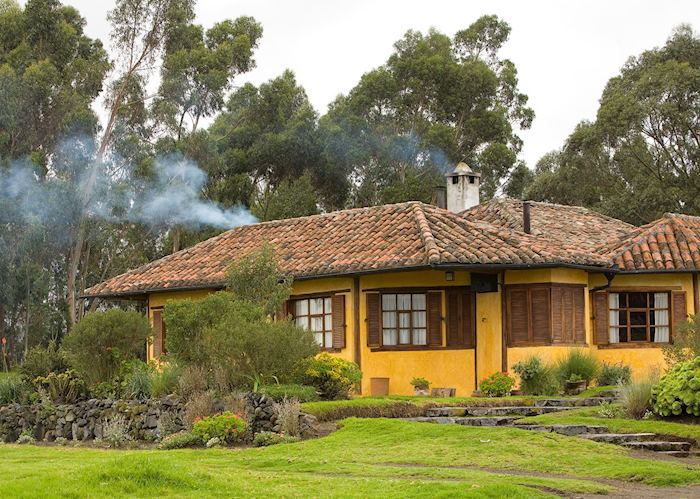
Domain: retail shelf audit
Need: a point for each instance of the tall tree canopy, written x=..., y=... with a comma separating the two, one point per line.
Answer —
x=641, y=156
x=435, y=102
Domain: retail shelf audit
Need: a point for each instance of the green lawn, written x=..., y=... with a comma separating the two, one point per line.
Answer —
x=366, y=457
x=589, y=415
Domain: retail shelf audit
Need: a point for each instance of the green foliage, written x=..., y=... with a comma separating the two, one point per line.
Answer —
x=609, y=410
x=164, y=380
x=13, y=389
x=614, y=374
x=101, y=342
x=267, y=438
x=536, y=378
x=180, y=440
x=636, y=396
x=137, y=382
x=420, y=383
x=63, y=388
x=334, y=378
x=41, y=361
x=292, y=198
x=498, y=384
x=193, y=379
x=227, y=427
x=578, y=365
x=678, y=391
x=686, y=342
x=115, y=433
x=290, y=391
x=257, y=278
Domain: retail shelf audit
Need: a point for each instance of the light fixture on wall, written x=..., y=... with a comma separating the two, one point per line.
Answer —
x=449, y=276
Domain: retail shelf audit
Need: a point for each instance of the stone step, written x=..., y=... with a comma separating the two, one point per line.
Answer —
x=486, y=421
x=431, y=419
x=564, y=429
x=573, y=401
x=620, y=438
x=493, y=411
x=658, y=446
x=675, y=453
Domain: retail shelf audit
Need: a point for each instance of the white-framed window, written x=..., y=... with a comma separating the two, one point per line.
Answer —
x=404, y=319
x=316, y=315
x=639, y=316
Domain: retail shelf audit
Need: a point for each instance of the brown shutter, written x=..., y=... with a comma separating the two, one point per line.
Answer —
x=434, y=305
x=601, y=335
x=539, y=307
x=558, y=315
x=579, y=315
x=374, y=319
x=338, y=315
x=518, y=316
x=460, y=320
x=283, y=313
x=157, y=333
x=680, y=314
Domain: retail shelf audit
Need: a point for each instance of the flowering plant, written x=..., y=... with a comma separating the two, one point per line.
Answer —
x=226, y=426
x=499, y=384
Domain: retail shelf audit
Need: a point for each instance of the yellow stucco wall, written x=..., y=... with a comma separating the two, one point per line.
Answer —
x=462, y=368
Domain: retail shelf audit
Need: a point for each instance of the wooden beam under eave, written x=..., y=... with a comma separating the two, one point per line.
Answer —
x=696, y=294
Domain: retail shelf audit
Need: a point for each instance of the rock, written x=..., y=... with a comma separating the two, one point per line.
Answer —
x=70, y=417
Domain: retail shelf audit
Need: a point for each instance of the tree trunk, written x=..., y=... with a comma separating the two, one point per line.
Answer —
x=177, y=238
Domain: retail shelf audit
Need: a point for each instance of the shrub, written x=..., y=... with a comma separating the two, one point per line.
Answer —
x=686, y=342
x=234, y=402
x=41, y=361
x=301, y=393
x=609, y=410
x=62, y=388
x=106, y=390
x=61, y=441
x=115, y=432
x=26, y=438
x=266, y=438
x=678, y=391
x=420, y=383
x=287, y=413
x=164, y=380
x=13, y=389
x=577, y=365
x=499, y=384
x=614, y=374
x=180, y=440
x=199, y=405
x=636, y=396
x=536, y=378
x=333, y=378
x=193, y=379
x=137, y=381
x=227, y=427
x=101, y=342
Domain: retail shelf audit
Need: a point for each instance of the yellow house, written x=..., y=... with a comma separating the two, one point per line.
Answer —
x=411, y=289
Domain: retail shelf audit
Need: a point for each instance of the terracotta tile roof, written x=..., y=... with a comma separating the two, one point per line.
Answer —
x=399, y=236
x=573, y=226
x=670, y=243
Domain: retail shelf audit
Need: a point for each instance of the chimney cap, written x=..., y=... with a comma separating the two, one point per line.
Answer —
x=462, y=169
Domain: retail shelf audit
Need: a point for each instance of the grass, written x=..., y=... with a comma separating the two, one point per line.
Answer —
x=366, y=457
x=589, y=415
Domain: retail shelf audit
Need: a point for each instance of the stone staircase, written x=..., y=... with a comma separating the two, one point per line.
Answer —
x=510, y=416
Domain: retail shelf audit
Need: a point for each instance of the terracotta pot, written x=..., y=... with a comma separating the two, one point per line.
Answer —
x=421, y=392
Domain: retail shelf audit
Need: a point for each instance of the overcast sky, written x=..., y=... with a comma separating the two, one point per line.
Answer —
x=564, y=51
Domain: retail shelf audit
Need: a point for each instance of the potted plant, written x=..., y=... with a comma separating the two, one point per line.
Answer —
x=575, y=384
x=420, y=386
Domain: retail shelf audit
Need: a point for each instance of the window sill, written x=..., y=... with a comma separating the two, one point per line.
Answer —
x=528, y=345
x=421, y=348
x=641, y=344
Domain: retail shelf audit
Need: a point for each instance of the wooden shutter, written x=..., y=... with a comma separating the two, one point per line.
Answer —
x=601, y=334
x=680, y=313
x=434, y=305
x=540, y=315
x=157, y=333
x=579, y=315
x=338, y=315
x=460, y=318
x=558, y=315
x=568, y=314
x=518, y=316
x=374, y=319
x=283, y=313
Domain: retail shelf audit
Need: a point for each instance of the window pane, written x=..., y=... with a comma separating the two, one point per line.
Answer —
x=389, y=337
x=329, y=340
x=405, y=319
x=403, y=302
x=404, y=336
x=660, y=334
x=420, y=337
x=615, y=333
x=327, y=305
x=389, y=319
x=316, y=306
x=638, y=334
x=638, y=318
x=319, y=338
x=388, y=302
x=418, y=319
x=622, y=314
x=419, y=302
x=327, y=322
x=302, y=322
x=301, y=307
x=317, y=323
x=637, y=300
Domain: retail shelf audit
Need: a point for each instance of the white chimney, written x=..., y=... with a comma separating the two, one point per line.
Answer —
x=462, y=188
